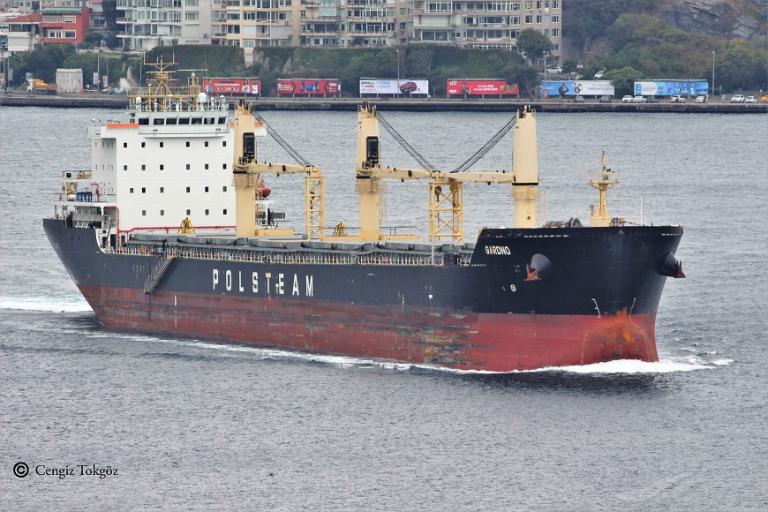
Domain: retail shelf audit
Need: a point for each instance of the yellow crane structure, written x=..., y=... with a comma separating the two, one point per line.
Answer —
x=446, y=189
x=602, y=180
x=247, y=173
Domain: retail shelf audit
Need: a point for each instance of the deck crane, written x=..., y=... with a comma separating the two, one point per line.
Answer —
x=247, y=171
x=446, y=189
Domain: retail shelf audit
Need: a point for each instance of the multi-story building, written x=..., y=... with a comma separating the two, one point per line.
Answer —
x=64, y=23
x=252, y=24
x=149, y=23
x=319, y=23
x=21, y=32
x=486, y=24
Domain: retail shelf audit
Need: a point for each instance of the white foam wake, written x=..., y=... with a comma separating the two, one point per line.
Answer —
x=633, y=366
x=66, y=305
x=618, y=367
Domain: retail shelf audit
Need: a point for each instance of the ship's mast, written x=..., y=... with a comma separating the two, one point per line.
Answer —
x=525, y=169
x=602, y=180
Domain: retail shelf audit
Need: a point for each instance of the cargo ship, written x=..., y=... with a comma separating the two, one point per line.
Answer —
x=172, y=231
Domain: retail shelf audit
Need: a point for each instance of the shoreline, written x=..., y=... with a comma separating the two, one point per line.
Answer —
x=408, y=104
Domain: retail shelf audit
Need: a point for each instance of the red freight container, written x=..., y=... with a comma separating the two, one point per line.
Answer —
x=480, y=88
x=232, y=86
x=308, y=86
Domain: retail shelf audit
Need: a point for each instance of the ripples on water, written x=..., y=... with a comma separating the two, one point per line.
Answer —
x=196, y=425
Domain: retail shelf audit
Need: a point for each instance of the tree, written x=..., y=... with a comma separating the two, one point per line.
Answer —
x=624, y=79
x=533, y=43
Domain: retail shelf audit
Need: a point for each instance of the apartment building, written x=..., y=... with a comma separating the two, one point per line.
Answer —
x=21, y=33
x=486, y=24
x=146, y=24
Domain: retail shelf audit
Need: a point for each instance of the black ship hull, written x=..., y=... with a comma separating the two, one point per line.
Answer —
x=526, y=298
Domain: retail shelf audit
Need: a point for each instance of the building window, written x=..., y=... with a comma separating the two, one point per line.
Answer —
x=125, y=144
x=206, y=143
x=125, y=167
x=143, y=213
x=161, y=144
x=162, y=167
x=188, y=167
x=143, y=167
x=162, y=189
x=187, y=190
x=131, y=190
x=206, y=212
x=143, y=190
x=224, y=143
x=162, y=212
x=206, y=167
x=206, y=189
x=189, y=212
x=224, y=166
x=224, y=188
x=187, y=143
x=143, y=144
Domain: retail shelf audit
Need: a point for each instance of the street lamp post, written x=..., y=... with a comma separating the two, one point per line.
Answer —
x=713, y=73
x=397, y=50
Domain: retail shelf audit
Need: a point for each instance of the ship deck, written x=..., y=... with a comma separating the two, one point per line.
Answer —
x=296, y=251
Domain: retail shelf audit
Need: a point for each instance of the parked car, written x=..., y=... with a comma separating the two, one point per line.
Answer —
x=578, y=99
x=677, y=99
x=700, y=99
x=627, y=99
x=639, y=99
x=750, y=99
x=600, y=74
x=737, y=98
x=605, y=99
x=556, y=71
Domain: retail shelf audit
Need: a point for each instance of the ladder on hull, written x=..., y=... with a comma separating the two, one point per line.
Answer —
x=157, y=273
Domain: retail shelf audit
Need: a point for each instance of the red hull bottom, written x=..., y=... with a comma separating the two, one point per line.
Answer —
x=467, y=341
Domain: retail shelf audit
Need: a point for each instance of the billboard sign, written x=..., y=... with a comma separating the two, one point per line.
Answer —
x=672, y=88
x=480, y=88
x=577, y=88
x=309, y=86
x=403, y=86
x=232, y=86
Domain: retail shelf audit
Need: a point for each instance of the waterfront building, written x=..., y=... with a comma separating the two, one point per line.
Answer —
x=146, y=24
x=486, y=24
x=22, y=32
x=64, y=21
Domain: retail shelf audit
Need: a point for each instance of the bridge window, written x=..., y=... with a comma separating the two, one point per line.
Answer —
x=171, y=120
x=143, y=120
x=183, y=120
x=158, y=121
x=197, y=120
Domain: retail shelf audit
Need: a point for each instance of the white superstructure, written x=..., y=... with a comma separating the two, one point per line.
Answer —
x=168, y=164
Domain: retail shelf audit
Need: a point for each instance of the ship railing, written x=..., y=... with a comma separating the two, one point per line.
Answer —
x=291, y=257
